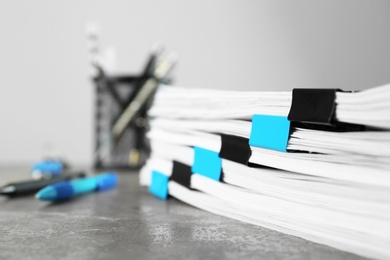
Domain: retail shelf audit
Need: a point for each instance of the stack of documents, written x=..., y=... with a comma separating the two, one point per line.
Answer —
x=314, y=163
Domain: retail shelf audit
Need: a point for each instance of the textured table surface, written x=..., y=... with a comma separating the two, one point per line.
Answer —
x=129, y=223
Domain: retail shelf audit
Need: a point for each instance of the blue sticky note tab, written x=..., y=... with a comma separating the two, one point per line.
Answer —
x=207, y=163
x=270, y=132
x=159, y=185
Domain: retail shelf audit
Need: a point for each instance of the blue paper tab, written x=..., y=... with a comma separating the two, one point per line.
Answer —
x=207, y=163
x=270, y=132
x=159, y=185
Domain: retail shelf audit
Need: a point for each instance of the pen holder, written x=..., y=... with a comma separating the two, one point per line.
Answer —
x=121, y=104
x=114, y=95
x=131, y=150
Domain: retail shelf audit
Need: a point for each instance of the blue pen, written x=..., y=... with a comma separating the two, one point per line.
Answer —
x=69, y=189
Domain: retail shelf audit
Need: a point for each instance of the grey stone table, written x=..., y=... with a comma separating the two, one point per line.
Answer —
x=129, y=223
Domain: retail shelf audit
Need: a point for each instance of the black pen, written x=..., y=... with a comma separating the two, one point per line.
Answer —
x=32, y=186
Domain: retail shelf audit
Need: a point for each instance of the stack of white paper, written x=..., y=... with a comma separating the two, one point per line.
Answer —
x=330, y=185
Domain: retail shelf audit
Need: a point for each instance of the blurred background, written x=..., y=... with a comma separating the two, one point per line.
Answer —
x=46, y=93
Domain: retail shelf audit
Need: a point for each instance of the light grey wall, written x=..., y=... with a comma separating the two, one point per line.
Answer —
x=46, y=97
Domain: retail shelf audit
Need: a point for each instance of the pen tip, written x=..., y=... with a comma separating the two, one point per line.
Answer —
x=47, y=193
x=7, y=190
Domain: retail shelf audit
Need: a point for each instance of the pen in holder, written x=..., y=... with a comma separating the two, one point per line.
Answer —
x=121, y=103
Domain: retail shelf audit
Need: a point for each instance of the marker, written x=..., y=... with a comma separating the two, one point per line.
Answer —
x=68, y=189
x=32, y=186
